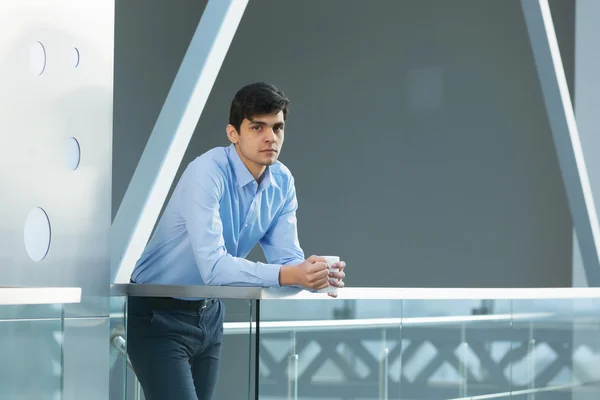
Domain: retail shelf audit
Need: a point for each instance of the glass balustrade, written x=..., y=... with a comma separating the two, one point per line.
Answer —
x=31, y=341
x=437, y=347
x=236, y=380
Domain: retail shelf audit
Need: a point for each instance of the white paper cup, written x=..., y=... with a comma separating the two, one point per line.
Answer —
x=330, y=261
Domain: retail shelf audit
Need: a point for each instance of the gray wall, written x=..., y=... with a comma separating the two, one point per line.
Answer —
x=418, y=135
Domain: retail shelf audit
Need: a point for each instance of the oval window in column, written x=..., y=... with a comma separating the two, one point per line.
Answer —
x=75, y=57
x=37, y=58
x=37, y=234
x=73, y=154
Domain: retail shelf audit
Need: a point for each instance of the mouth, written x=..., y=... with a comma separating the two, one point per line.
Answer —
x=270, y=151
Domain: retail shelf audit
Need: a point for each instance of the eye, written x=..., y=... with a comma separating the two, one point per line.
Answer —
x=278, y=128
x=255, y=127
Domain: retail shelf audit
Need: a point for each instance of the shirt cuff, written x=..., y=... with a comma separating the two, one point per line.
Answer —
x=269, y=274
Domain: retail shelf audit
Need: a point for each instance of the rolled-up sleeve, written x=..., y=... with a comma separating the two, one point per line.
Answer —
x=200, y=210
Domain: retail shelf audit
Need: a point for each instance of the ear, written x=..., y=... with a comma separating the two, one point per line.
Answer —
x=232, y=134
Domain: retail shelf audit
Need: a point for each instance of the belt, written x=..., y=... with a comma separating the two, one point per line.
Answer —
x=169, y=303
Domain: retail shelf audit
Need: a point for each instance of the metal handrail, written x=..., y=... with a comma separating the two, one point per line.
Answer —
x=117, y=341
x=349, y=293
x=233, y=328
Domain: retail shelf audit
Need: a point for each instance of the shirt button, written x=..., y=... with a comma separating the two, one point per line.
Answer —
x=245, y=226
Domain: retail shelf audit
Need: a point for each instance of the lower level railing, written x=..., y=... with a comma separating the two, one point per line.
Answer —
x=432, y=348
x=451, y=357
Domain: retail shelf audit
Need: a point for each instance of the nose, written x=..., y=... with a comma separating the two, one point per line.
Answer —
x=269, y=135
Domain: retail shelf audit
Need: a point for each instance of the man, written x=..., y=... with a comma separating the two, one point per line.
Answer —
x=227, y=200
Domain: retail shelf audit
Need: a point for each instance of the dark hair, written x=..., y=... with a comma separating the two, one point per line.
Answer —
x=257, y=99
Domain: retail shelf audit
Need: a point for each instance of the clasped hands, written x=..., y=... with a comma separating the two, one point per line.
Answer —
x=314, y=274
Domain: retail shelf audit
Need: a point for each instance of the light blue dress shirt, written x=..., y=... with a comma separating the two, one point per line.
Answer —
x=216, y=215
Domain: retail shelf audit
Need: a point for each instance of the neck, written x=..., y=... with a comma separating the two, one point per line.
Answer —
x=256, y=170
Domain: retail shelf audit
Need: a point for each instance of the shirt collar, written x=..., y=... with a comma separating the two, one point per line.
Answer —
x=268, y=180
x=243, y=176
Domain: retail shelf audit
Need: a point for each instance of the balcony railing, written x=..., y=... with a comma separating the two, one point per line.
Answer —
x=403, y=343
x=32, y=322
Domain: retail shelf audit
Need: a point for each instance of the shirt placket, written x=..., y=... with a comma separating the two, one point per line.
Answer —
x=251, y=215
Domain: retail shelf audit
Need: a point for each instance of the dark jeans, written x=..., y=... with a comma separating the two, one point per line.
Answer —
x=175, y=353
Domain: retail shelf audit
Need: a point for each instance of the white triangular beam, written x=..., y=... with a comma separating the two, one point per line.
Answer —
x=564, y=130
x=171, y=134
x=587, y=87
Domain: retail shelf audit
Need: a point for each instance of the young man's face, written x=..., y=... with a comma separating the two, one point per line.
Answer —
x=259, y=140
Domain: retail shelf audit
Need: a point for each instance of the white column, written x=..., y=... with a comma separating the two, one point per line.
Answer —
x=565, y=133
x=587, y=113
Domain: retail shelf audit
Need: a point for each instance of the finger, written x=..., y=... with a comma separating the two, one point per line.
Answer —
x=334, y=295
x=337, y=275
x=319, y=282
x=319, y=266
x=322, y=285
x=319, y=279
x=313, y=259
x=320, y=275
x=338, y=284
x=340, y=265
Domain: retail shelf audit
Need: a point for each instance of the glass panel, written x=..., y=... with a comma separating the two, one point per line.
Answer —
x=447, y=348
x=557, y=349
x=31, y=348
x=235, y=358
x=33, y=312
x=330, y=349
x=585, y=349
x=85, y=359
x=485, y=348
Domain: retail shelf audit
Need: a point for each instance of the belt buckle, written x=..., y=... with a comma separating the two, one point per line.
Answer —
x=204, y=304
